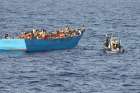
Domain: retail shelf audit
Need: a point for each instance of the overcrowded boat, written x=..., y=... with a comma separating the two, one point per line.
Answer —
x=42, y=40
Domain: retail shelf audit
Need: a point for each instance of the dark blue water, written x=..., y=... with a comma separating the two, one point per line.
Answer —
x=84, y=69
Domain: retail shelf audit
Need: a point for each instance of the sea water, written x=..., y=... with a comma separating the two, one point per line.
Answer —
x=84, y=69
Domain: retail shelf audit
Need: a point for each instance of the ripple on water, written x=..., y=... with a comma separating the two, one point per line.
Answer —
x=83, y=69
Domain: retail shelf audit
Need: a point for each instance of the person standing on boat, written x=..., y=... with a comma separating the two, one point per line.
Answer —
x=107, y=41
x=6, y=36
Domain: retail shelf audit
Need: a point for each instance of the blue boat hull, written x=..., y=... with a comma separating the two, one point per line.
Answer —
x=39, y=45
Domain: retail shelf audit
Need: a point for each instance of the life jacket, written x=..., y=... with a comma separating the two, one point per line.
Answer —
x=62, y=35
x=47, y=36
x=28, y=36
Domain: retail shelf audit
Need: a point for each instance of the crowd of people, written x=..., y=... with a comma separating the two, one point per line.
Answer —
x=44, y=34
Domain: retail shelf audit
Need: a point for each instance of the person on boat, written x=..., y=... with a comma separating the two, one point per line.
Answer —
x=114, y=44
x=33, y=34
x=82, y=28
x=29, y=36
x=47, y=36
x=107, y=41
x=22, y=35
x=78, y=32
x=6, y=36
x=61, y=35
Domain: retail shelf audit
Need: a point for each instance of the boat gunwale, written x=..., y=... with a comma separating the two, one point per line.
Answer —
x=42, y=39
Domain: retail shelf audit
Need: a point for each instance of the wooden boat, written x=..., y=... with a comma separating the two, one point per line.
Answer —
x=34, y=44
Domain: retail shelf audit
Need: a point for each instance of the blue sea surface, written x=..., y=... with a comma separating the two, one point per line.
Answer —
x=84, y=69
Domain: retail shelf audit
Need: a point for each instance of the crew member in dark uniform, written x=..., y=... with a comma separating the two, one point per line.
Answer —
x=6, y=36
x=107, y=41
